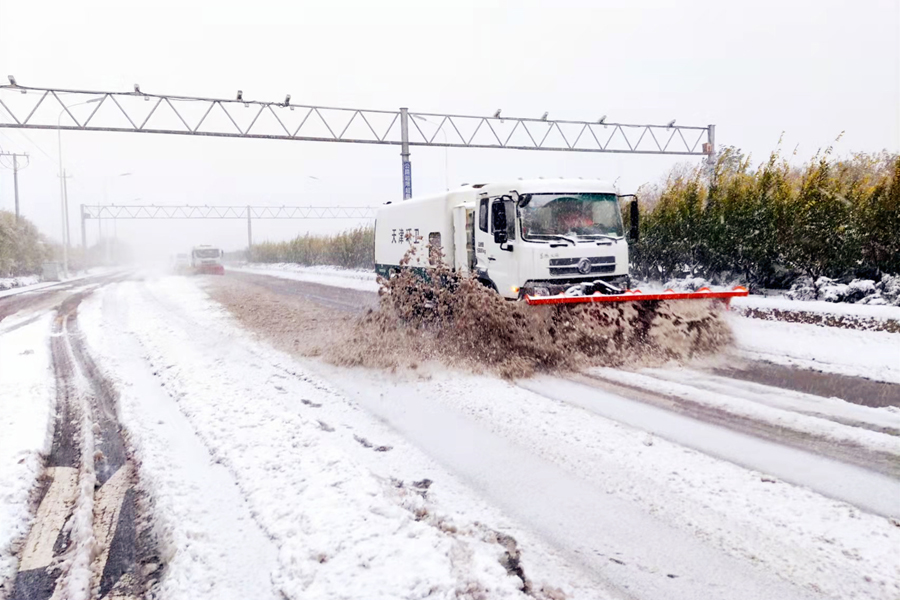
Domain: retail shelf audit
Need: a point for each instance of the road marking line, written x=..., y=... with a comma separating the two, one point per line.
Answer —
x=50, y=518
x=107, y=505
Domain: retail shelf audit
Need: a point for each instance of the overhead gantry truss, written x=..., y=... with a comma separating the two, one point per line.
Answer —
x=24, y=107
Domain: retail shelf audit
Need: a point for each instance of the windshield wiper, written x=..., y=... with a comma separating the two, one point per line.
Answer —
x=553, y=237
x=591, y=236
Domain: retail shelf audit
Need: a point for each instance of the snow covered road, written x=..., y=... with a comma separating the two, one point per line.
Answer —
x=266, y=474
x=334, y=529
x=26, y=406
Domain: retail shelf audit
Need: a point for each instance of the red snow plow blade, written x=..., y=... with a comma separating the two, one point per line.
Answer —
x=639, y=296
x=210, y=270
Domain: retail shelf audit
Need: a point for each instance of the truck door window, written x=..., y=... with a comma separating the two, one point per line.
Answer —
x=510, y=225
x=483, y=215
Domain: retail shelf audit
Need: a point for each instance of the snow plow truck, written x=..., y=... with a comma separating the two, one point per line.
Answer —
x=544, y=241
x=207, y=260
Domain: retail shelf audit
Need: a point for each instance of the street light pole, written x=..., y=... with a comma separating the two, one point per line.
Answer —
x=63, y=201
x=66, y=203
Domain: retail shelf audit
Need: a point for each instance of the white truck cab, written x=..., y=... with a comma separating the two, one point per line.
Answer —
x=536, y=236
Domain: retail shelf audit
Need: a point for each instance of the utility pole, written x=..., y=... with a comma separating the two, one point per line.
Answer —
x=249, y=236
x=66, y=199
x=15, y=168
x=710, y=149
x=83, y=235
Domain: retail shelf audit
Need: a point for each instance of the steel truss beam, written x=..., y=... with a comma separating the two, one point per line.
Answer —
x=138, y=112
x=149, y=211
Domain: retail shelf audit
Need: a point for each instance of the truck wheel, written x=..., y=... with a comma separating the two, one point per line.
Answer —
x=488, y=284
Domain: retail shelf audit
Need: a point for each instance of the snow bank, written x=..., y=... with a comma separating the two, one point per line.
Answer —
x=32, y=286
x=863, y=291
x=325, y=275
x=26, y=429
x=783, y=303
x=7, y=283
x=865, y=299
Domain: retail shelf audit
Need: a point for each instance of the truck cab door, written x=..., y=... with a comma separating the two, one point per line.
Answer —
x=496, y=259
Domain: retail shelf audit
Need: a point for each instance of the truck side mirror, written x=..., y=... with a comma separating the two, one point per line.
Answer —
x=500, y=237
x=635, y=218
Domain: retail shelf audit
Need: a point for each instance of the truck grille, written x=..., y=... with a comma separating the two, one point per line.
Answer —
x=569, y=266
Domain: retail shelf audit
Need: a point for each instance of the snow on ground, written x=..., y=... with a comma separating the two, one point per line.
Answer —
x=27, y=394
x=340, y=531
x=834, y=409
x=27, y=288
x=871, y=354
x=197, y=507
x=305, y=462
x=38, y=285
x=728, y=398
x=356, y=279
x=617, y=492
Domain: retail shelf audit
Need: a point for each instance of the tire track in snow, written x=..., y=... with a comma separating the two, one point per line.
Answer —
x=84, y=542
x=768, y=419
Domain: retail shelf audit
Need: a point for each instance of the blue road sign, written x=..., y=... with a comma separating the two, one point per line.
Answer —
x=407, y=180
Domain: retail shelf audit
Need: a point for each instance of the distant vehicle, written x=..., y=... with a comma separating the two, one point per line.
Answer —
x=51, y=271
x=207, y=260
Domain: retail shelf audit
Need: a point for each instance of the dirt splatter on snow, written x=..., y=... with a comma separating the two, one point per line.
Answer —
x=457, y=321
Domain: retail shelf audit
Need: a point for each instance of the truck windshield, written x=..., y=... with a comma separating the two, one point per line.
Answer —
x=207, y=253
x=546, y=216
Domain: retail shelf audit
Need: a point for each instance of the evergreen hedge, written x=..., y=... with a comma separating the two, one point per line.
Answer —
x=22, y=248
x=353, y=249
x=766, y=226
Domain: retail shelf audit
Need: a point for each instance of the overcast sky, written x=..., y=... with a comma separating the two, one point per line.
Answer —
x=757, y=69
